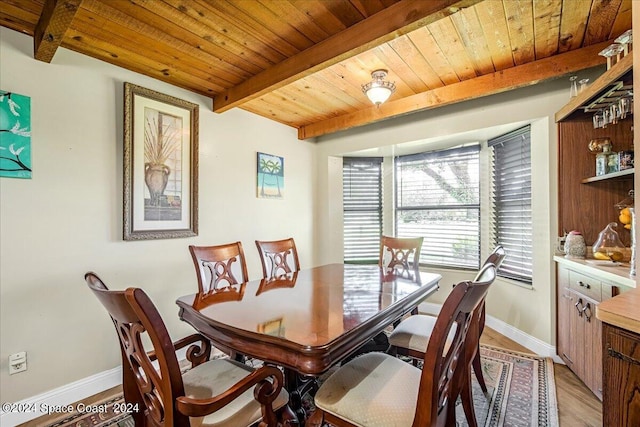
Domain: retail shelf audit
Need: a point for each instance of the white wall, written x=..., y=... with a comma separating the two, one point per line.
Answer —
x=68, y=219
x=531, y=311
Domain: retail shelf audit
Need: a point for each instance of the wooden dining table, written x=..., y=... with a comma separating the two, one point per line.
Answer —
x=309, y=320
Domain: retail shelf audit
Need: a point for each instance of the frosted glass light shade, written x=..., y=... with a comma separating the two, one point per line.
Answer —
x=378, y=94
x=378, y=90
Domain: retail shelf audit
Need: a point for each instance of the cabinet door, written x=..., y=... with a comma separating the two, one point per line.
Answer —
x=592, y=341
x=565, y=324
x=577, y=343
x=621, y=404
x=565, y=310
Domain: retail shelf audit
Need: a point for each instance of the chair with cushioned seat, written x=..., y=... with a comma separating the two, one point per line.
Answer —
x=278, y=257
x=400, y=255
x=220, y=393
x=411, y=336
x=220, y=269
x=380, y=390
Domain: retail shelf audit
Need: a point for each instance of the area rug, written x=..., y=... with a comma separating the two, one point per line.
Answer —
x=521, y=393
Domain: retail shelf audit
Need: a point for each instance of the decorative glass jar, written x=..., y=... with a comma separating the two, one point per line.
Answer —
x=608, y=246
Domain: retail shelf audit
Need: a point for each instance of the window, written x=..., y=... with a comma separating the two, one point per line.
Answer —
x=511, y=202
x=438, y=197
x=362, y=200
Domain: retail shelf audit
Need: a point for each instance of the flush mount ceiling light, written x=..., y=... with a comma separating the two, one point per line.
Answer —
x=378, y=90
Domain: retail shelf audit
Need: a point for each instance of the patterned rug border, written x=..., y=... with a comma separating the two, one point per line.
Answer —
x=546, y=387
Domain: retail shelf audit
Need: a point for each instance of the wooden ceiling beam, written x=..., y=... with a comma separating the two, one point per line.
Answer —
x=490, y=84
x=54, y=21
x=394, y=21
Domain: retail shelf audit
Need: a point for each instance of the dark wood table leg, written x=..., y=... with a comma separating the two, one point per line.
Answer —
x=298, y=386
x=295, y=398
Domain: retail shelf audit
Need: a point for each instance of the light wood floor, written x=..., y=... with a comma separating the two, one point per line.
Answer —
x=577, y=406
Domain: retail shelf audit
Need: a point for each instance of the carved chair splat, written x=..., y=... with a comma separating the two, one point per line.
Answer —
x=278, y=257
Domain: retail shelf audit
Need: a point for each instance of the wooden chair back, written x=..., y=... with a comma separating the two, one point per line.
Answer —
x=278, y=257
x=444, y=362
x=221, y=271
x=137, y=322
x=400, y=254
x=496, y=257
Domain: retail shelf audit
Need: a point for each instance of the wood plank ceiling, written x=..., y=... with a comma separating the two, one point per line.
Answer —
x=302, y=62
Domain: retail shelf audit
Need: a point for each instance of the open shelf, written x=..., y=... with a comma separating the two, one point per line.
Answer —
x=597, y=88
x=611, y=175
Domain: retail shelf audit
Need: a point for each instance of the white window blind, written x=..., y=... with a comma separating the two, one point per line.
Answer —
x=362, y=200
x=438, y=197
x=511, y=224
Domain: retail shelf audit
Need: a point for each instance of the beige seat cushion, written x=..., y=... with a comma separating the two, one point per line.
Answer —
x=414, y=333
x=217, y=376
x=373, y=390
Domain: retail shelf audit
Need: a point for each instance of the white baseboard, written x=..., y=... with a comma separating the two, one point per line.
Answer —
x=66, y=395
x=36, y=406
x=534, y=344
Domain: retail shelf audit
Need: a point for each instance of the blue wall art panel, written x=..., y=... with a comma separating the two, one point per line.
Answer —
x=15, y=135
x=270, y=176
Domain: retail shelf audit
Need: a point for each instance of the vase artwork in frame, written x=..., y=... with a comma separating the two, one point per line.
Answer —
x=160, y=165
x=270, y=173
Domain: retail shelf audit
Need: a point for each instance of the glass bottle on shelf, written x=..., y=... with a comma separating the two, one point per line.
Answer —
x=602, y=160
x=613, y=162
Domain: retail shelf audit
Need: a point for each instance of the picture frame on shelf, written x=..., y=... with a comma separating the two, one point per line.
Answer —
x=160, y=165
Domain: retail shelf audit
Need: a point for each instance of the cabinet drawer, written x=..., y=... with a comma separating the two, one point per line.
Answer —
x=586, y=285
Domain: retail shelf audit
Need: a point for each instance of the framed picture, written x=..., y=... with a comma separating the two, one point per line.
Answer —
x=270, y=183
x=160, y=165
x=15, y=135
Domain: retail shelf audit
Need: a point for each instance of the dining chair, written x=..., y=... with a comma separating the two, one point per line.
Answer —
x=380, y=390
x=221, y=270
x=278, y=257
x=219, y=392
x=400, y=255
x=412, y=335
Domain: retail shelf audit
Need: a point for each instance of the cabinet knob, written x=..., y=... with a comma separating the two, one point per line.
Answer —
x=584, y=285
x=579, y=307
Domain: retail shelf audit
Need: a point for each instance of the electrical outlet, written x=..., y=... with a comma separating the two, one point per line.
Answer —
x=17, y=362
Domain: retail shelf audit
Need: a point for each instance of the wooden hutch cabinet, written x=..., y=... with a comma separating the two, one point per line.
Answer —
x=586, y=203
